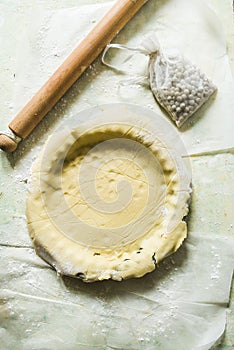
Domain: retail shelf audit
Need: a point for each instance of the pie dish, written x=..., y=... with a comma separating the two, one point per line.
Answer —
x=108, y=195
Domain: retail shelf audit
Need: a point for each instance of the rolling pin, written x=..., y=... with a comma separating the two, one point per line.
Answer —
x=70, y=70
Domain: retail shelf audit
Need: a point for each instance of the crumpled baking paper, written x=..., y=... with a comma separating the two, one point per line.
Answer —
x=182, y=305
x=192, y=27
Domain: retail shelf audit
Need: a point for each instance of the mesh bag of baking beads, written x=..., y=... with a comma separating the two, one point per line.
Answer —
x=178, y=85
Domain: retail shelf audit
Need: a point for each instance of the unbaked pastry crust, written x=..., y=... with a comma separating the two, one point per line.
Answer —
x=67, y=246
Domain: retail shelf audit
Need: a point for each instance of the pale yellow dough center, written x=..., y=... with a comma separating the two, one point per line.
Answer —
x=106, y=185
x=114, y=176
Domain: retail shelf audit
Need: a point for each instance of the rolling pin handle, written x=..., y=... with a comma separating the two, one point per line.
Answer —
x=9, y=141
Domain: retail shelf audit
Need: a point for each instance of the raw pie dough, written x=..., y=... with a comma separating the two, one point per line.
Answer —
x=107, y=201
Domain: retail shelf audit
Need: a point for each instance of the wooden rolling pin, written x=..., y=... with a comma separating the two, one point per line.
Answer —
x=63, y=78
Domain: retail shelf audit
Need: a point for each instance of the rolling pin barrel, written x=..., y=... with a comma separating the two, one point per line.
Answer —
x=70, y=70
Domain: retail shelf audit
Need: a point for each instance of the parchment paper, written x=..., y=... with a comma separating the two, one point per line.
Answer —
x=183, y=304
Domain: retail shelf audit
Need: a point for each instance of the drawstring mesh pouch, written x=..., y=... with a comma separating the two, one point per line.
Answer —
x=178, y=85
